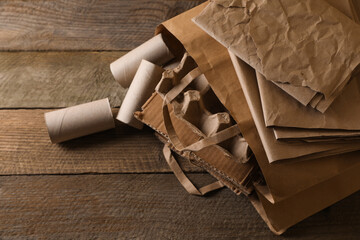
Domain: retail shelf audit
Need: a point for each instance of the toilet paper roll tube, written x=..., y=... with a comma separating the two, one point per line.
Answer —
x=146, y=78
x=154, y=50
x=80, y=120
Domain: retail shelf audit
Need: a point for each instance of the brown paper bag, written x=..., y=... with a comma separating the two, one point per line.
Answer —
x=294, y=181
x=214, y=61
x=286, y=42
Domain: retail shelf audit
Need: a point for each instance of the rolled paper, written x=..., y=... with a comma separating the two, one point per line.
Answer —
x=80, y=120
x=154, y=50
x=143, y=85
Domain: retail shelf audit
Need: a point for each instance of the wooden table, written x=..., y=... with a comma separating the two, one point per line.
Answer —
x=114, y=184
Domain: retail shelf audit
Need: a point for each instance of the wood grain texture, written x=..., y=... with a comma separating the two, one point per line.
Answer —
x=83, y=24
x=25, y=148
x=147, y=206
x=57, y=79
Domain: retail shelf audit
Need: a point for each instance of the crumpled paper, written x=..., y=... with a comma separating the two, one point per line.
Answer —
x=301, y=42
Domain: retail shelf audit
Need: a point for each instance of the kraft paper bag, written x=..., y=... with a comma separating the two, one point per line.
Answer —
x=285, y=179
x=284, y=214
x=300, y=42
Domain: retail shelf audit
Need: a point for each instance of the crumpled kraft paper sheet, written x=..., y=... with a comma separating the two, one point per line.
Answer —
x=301, y=42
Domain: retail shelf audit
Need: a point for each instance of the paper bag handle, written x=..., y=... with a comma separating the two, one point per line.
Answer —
x=184, y=180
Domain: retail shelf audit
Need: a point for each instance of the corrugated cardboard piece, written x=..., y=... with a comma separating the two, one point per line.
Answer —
x=197, y=114
x=299, y=42
x=288, y=184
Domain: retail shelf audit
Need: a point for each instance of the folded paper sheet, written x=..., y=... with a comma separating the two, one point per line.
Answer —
x=292, y=209
x=314, y=134
x=278, y=150
x=300, y=42
x=155, y=50
x=146, y=78
x=283, y=111
x=80, y=120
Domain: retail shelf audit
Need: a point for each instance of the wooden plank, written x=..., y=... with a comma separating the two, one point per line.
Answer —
x=57, y=79
x=83, y=24
x=147, y=206
x=25, y=148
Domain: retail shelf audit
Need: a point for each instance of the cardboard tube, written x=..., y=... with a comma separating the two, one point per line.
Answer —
x=146, y=78
x=80, y=120
x=154, y=50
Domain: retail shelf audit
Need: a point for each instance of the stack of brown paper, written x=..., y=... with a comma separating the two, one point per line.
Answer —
x=292, y=190
x=306, y=44
x=287, y=106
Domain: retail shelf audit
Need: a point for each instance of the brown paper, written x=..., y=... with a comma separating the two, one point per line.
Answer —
x=189, y=122
x=284, y=180
x=302, y=94
x=305, y=95
x=278, y=150
x=289, y=48
x=185, y=181
x=215, y=63
x=146, y=78
x=80, y=120
x=283, y=111
x=155, y=50
x=290, y=210
x=284, y=214
x=314, y=134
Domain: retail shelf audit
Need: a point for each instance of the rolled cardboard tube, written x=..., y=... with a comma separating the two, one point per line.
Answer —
x=154, y=50
x=80, y=120
x=146, y=78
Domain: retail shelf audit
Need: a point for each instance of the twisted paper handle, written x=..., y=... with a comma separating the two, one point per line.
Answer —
x=185, y=181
